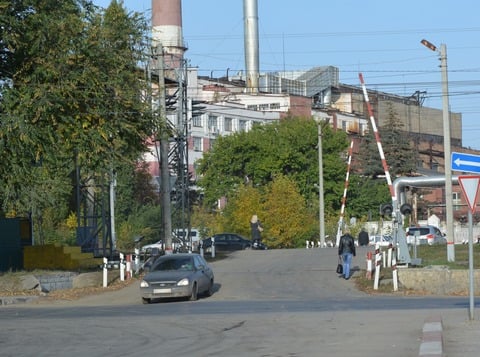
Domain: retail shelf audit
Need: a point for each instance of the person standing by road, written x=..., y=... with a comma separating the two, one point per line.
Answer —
x=346, y=249
x=363, y=238
x=257, y=229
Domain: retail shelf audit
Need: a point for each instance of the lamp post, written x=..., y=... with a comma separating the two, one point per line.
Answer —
x=447, y=148
x=321, y=200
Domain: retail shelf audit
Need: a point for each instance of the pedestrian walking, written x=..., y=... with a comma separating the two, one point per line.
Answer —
x=346, y=250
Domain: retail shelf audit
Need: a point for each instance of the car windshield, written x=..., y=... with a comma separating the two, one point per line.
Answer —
x=174, y=264
x=423, y=231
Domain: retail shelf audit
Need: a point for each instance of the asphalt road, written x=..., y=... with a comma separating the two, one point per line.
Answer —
x=267, y=303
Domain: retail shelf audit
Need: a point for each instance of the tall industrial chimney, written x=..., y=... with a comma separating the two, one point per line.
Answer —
x=250, y=13
x=167, y=29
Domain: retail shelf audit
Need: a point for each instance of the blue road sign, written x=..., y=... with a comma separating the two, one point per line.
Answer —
x=465, y=162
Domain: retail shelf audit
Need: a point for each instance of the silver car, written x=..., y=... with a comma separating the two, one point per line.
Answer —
x=177, y=276
x=426, y=235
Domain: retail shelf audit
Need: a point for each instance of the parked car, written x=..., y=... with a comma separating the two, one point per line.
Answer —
x=176, y=276
x=382, y=240
x=227, y=242
x=427, y=235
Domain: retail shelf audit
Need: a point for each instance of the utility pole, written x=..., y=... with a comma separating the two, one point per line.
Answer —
x=446, y=148
x=162, y=138
x=320, y=187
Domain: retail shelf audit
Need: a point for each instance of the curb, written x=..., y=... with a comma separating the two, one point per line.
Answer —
x=12, y=300
x=432, y=338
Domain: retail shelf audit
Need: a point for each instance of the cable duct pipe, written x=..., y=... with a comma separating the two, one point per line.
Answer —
x=425, y=181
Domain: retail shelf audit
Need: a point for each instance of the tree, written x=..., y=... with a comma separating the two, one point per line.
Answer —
x=397, y=149
x=288, y=147
x=73, y=87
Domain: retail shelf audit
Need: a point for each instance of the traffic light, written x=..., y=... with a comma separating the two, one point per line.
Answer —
x=406, y=209
x=386, y=209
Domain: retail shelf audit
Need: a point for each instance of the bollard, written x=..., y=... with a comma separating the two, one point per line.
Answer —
x=378, y=262
x=129, y=266
x=389, y=258
x=395, y=274
x=137, y=261
x=368, y=275
x=105, y=272
x=384, y=259
x=308, y=244
x=122, y=267
x=213, y=247
x=201, y=248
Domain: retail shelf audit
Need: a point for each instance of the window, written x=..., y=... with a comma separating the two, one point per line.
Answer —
x=228, y=124
x=212, y=123
x=274, y=106
x=263, y=107
x=197, y=121
x=197, y=143
x=242, y=125
x=252, y=107
x=456, y=200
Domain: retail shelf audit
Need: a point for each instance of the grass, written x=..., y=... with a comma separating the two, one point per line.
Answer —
x=430, y=255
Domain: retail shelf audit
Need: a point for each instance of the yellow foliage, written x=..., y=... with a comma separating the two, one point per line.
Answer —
x=71, y=222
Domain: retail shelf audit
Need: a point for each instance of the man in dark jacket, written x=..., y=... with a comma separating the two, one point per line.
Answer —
x=363, y=238
x=346, y=249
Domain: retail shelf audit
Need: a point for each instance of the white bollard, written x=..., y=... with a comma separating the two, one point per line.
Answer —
x=308, y=244
x=137, y=260
x=105, y=272
x=395, y=274
x=378, y=262
x=129, y=266
x=389, y=259
x=384, y=259
x=122, y=267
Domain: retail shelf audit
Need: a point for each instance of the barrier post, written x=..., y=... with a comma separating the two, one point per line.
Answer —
x=105, y=272
x=129, y=266
x=378, y=261
x=394, y=274
x=369, y=266
x=122, y=267
x=307, y=244
x=389, y=258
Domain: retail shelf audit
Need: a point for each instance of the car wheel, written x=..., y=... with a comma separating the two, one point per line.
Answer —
x=146, y=301
x=210, y=289
x=194, y=295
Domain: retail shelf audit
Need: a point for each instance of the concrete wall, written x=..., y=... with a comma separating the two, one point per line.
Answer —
x=438, y=280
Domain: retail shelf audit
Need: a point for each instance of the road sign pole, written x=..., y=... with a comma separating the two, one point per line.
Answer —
x=470, y=264
x=469, y=185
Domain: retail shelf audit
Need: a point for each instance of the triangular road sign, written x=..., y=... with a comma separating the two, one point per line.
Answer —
x=469, y=186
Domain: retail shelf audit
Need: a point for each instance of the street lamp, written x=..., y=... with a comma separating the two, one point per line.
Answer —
x=320, y=183
x=447, y=147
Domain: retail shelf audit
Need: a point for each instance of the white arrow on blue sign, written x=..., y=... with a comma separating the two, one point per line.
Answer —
x=465, y=162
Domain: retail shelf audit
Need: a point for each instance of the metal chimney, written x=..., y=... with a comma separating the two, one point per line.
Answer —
x=250, y=11
x=167, y=29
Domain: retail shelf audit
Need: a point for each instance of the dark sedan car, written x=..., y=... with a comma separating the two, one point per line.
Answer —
x=177, y=275
x=227, y=242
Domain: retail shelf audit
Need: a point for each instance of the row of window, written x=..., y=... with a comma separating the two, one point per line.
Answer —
x=214, y=123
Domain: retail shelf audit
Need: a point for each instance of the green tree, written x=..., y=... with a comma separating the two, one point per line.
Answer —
x=288, y=147
x=72, y=86
x=397, y=149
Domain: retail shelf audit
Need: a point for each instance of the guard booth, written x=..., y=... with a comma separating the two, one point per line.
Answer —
x=16, y=234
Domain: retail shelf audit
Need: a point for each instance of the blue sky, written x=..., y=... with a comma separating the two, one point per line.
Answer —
x=380, y=39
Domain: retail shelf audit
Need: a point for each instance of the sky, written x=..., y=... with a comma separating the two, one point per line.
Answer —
x=378, y=38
